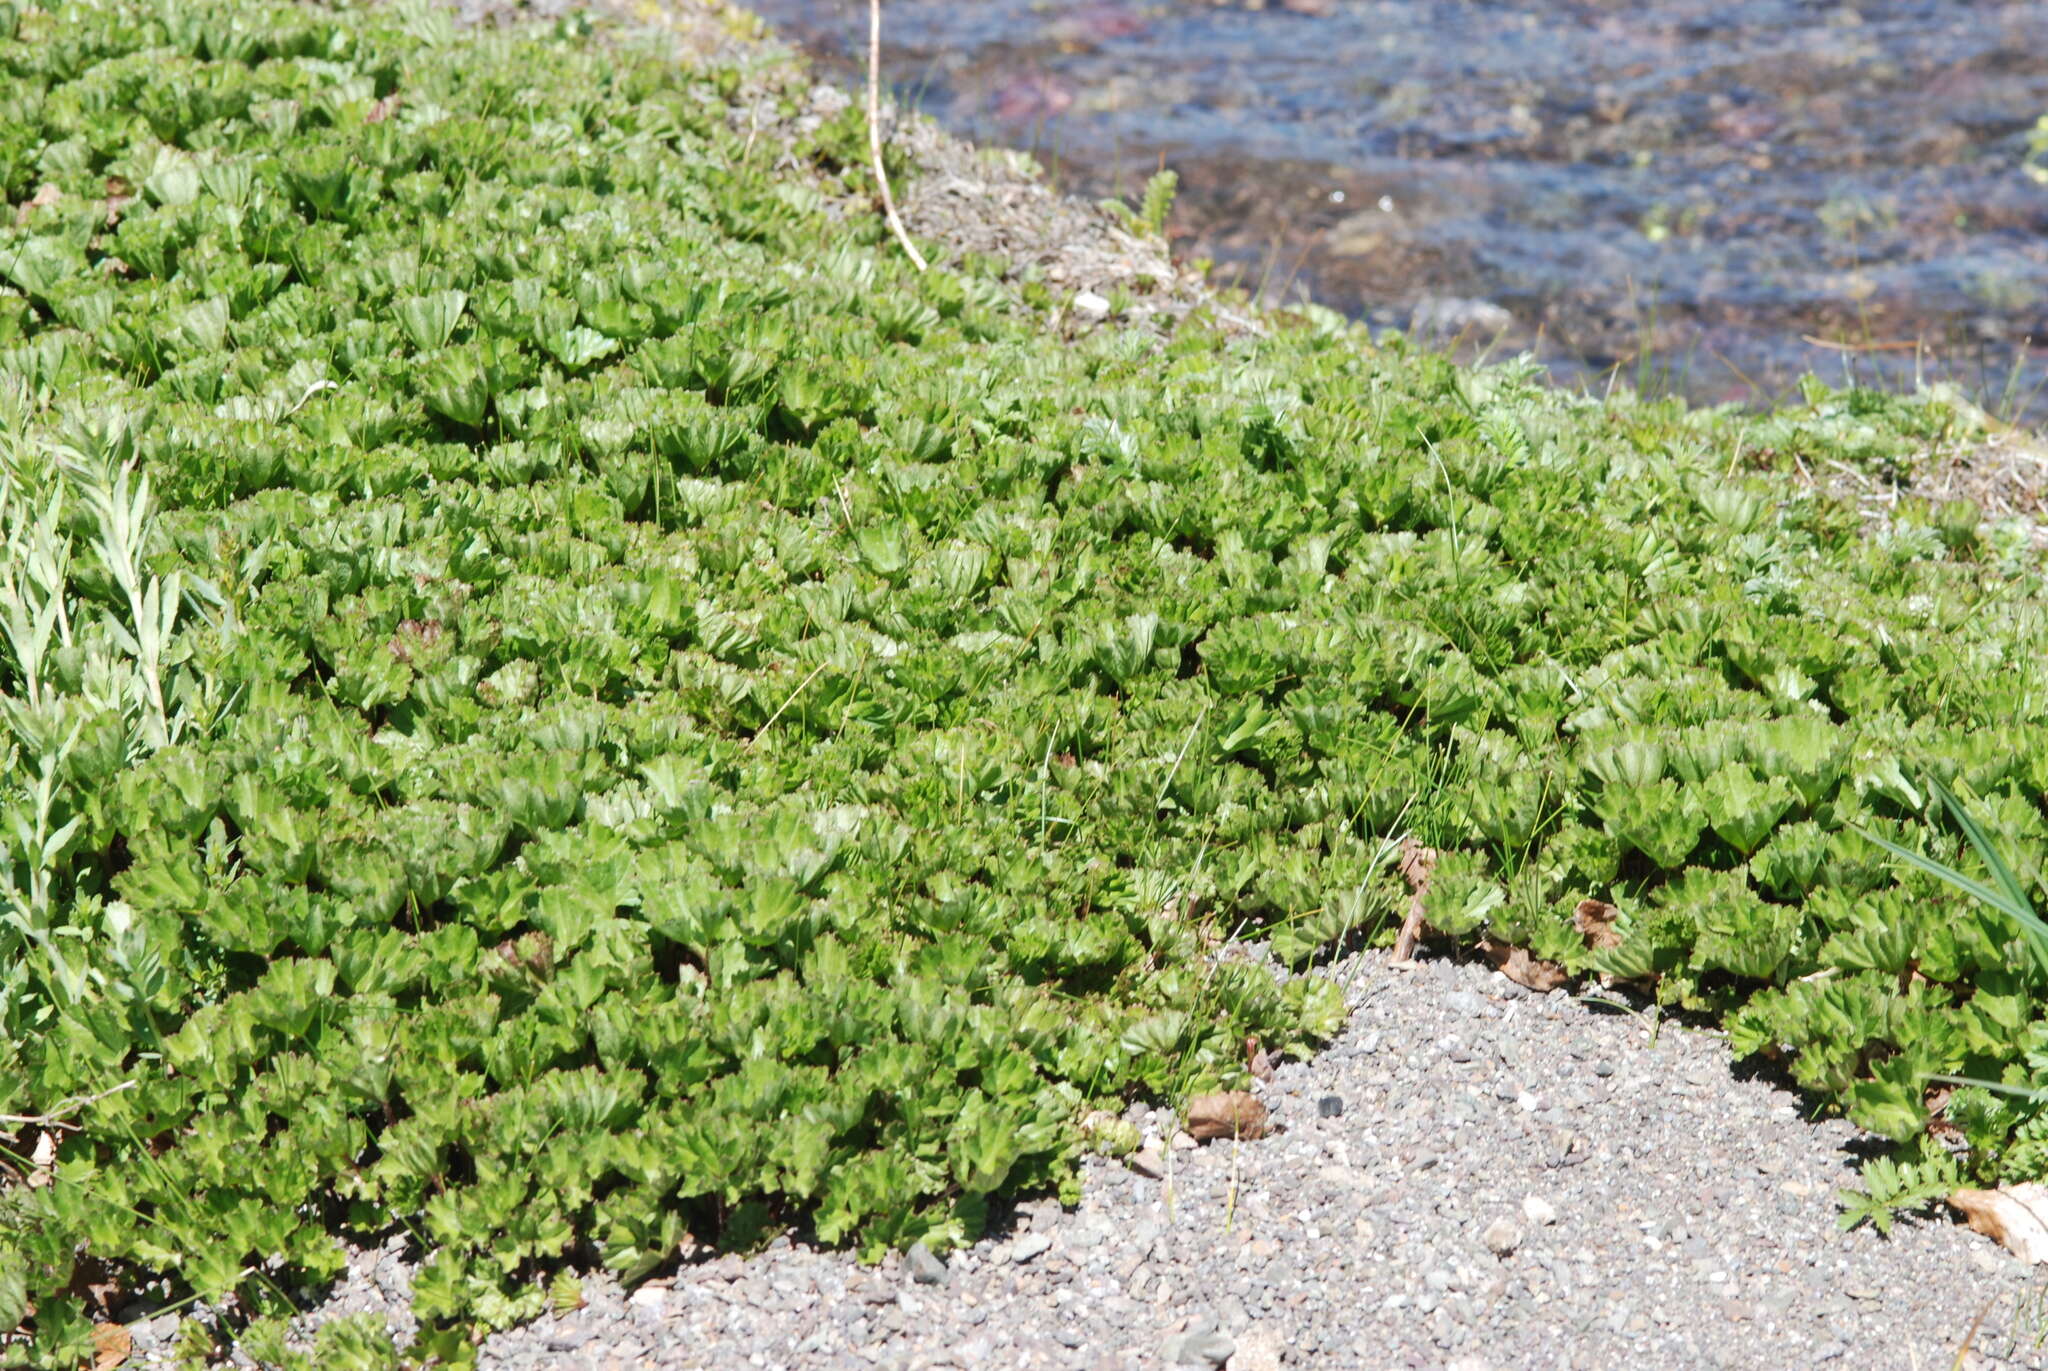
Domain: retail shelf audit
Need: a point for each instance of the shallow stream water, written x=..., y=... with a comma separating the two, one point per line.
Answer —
x=1709, y=196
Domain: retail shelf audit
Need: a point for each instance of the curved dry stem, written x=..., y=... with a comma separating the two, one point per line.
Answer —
x=875, y=134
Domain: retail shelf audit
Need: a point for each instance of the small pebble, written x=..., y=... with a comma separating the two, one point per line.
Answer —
x=1202, y=1345
x=1539, y=1211
x=1028, y=1246
x=1330, y=1106
x=925, y=1268
x=1089, y=305
x=1501, y=1237
x=155, y=1332
x=1467, y=1003
x=1259, y=1348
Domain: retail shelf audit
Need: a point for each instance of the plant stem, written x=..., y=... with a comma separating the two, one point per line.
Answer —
x=875, y=134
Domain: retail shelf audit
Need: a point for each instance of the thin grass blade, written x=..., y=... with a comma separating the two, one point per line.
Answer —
x=1996, y=1087
x=2019, y=905
x=1976, y=890
x=2009, y=897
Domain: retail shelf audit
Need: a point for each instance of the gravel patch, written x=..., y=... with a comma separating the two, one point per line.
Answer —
x=1507, y=1180
x=1512, y=1181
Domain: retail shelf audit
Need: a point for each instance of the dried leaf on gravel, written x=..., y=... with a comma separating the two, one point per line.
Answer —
x=2016, y=1216
x=1226, y=1114
x=110, y=1346
x=1416, y=864
x=1518, y=966
x=1595, y=921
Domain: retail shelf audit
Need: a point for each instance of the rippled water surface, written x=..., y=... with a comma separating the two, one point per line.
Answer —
x=1686, y=193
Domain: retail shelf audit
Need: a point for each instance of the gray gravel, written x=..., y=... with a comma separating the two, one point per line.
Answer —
x=1513, y=1181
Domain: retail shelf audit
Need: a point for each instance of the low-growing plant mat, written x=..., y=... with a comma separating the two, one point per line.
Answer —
x=565, y=703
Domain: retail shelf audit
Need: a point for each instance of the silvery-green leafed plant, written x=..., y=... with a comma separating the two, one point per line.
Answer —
x=71, y=662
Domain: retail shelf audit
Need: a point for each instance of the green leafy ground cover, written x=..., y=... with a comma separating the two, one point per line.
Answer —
x=560, y=697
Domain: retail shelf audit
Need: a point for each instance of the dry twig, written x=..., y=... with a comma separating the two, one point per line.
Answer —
x=875, y=134
x=57, y=1118
x=1416, y=864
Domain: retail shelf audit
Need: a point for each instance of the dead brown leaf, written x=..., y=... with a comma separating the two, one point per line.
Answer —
x=2016, y=1216
x=1256, y=1059
x=1936, y=1099
x=1518, y=966
x=110, y=1346
x=382, y=110
x=41, y=1158
x=1226, y=1114
x=1416, y=864
x=120, y=195
x=1595, y=921
x=47, y=194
